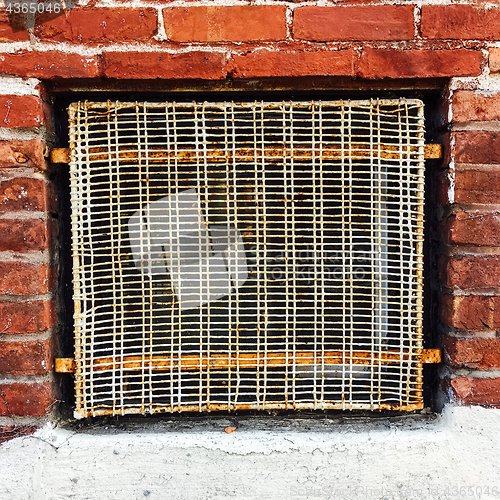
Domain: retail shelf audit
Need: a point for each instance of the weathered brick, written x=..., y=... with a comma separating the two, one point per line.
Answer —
x=31, y=316
x=7, y=34
x=99, y=25
x=264, y=63
x=16, y=153
x=471, y=272
x=460, y=22
x=20, y=278
x=49, y=64
x=471, y=106
x=477, y=186
x=393, y=63
x=443, y=185
x=474, y=229
x=25, y=193
x=355, y=22
x=21, y=235
x=26, y=357
x=20, y=111
x=474, y=146
x=494, y=60
x=23, y=399
x=479, y=353
x=8, y=432
x=240, y=23
x=139, y=65
x=476, y=391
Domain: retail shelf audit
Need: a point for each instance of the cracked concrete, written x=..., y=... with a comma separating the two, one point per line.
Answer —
x=412, y=457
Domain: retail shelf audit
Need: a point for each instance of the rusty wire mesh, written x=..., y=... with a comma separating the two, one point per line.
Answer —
x=256, y=255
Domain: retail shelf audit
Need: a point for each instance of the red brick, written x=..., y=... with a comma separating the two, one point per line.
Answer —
x=477, y=186
x=81, y=25
x=241, y=23
x=26, y=357
x=494, y=60
x=24, y=193
x=16, y=153
x=480, y=353
x=474, y=146
x=471, y=391
x=31, y=316
x=377, y=22
x=20, y=111
x=474, y=229
x=8, y=432
x=460, y=22
x=26, y=279
x=6, y=32
x=474, y=312
x=28, y=234
x=470, y=272
x=140, y=65
x=49, y=64
x=264, y=63
x=470, y=106
x=393, y=63
x=23, y=399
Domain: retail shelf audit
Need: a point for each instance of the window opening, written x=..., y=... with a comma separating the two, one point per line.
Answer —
x=247, y=255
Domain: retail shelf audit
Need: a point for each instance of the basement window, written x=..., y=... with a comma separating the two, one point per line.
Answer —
x=247, y=255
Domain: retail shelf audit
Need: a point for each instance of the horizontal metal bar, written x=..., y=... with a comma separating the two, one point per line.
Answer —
x=207, y=407
x=356, y=151
x=431, y=356
x=254, y=360
x=64, y=365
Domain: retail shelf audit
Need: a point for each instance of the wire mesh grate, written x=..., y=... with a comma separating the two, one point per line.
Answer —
x=255, y=255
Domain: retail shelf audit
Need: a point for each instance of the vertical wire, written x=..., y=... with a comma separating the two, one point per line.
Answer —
x=287, y=269
x=383, y=254
x=257, y=251
x=374, y=249
x=409, y=199
x=419, y=201
x=87, y=204
x=402, y=202
x=264, y=250
x=343, y=131
x=350, y=240
x=180, y=379
x=143, y=337
x=171, y=175
x=114, y=341
x=322, y=251
x=200, y=241
x=238, y=353
x=295, y=278
x=230, y=323
x=207, y=251
x=315, y=253
x=75, y=171
x=119, y=259
x=233, y=212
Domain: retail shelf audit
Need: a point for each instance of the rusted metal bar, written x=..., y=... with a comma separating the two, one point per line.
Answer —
x=331, y=152
x=98, y=412
x=254, y=360
x=60, y=155
x=431, y=356
x=64, y=365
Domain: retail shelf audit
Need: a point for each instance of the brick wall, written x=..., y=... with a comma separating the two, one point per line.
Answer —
x=361, y=41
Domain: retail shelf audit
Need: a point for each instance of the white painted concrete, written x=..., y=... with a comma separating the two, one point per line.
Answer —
x=451, y=456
